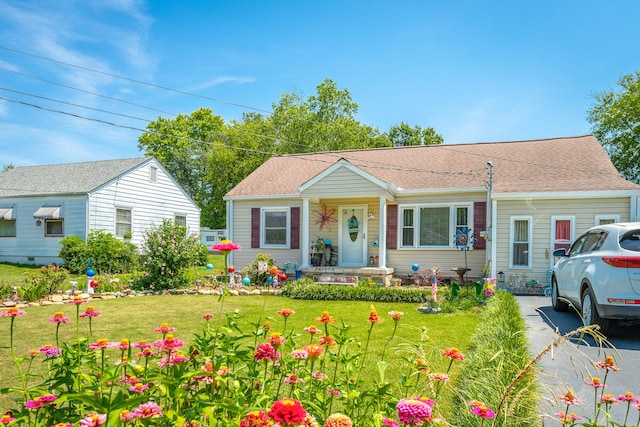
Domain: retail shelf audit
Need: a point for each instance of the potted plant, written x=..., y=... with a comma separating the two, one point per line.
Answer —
x=317, y=249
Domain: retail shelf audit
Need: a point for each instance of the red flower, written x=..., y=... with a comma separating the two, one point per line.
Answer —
x=276, y=339
x=265, y=351
x=287, y=412
x=225, y=247
x=255, y=419
x=373, y=316
x=453, y=354
x=286, y=312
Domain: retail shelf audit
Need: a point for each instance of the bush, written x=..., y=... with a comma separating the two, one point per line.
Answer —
x=105, y=253
x=499, y=354
x=306, y=288
x=168, y=253
x=251, y=270
x=46, y=282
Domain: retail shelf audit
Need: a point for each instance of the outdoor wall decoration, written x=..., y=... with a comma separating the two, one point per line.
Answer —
x=354, y=226
x=325, y=218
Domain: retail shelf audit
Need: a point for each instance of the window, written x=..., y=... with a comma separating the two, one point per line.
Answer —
x=123, y=221
x=275, y=230
x=432, y=225
x=562, y=232
x=181, y=220
x=53, y=228
x=153, y=173
x=7, y=227
x=607, y=219
x=521, y=242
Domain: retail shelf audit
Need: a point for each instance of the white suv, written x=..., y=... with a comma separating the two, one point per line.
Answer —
x=600, y=275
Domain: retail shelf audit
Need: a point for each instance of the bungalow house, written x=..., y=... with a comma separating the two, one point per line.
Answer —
x=39, y=205
x=385, y=209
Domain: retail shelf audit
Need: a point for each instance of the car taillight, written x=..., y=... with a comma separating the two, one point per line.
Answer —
x=622, y=261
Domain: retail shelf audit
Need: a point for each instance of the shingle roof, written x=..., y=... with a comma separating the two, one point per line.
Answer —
x=548, y=165
x=67, y=178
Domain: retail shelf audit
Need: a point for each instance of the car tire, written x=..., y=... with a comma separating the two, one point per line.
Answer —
x=556, y=302
x=590, y=314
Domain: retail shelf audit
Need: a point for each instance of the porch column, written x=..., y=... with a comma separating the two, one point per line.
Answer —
x=382, y=234
x=305, y=233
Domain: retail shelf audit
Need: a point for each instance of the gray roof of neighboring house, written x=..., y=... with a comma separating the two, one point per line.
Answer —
x=65, y=178
x=567, y=164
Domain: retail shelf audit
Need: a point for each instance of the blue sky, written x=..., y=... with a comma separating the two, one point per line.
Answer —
x=475, y=71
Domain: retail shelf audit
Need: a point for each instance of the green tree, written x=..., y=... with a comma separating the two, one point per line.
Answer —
x=403, y=135
x=615, y=120
x=8, y=167
x=168, y=252
x=102, y=250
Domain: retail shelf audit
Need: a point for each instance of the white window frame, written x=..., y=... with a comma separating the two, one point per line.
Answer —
x=176, y=216
x=554, y=219
x=52, y=220
x=263, y=228
x=416, y=223
x=513, y=220
x=115, y=220
x=598, y=218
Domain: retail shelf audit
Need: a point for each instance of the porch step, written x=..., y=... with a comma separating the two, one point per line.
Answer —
x=337, y=279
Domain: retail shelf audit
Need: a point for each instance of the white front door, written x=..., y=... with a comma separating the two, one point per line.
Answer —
x=352, y=235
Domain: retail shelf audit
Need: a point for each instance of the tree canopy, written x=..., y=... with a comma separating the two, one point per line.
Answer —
x=615, y=120
x=209, y=156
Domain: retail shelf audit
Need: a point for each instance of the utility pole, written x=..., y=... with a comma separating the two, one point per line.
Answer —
x=489, y=245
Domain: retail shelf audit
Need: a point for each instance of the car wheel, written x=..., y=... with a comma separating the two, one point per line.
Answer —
x=556, y=302
x=590, y=314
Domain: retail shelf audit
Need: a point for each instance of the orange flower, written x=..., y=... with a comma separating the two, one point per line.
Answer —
x=396, y=315
x=608, y=364
x=327, y=340
x=325, y=318
x=313, y=351
x=276, y=339
x=373, y=316
x=337, y=420
x=312, y=330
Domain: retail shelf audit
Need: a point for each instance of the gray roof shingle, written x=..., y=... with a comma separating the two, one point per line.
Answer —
x=66, y=178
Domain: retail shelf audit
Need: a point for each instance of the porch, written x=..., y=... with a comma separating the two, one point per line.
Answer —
x=346, y=275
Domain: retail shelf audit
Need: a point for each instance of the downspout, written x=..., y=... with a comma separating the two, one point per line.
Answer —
x=229, y=227
x=304, y=246
x=382, y=234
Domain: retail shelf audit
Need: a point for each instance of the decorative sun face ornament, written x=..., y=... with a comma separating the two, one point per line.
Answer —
x=325, y=218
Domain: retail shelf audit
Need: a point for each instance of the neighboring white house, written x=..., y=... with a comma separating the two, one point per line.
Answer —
x=527, y=197
x=39, y=205
x=210, y=237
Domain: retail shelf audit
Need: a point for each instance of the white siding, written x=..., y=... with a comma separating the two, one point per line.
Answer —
x=30, y=246
x=150, y=202
x=584, y=211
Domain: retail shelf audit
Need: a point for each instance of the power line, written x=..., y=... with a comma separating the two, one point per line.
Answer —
x=183, y=92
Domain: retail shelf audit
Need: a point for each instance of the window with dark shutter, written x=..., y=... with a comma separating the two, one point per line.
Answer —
x=479, y=224
x=392, y=226
x=255, y=227
x=294, y=242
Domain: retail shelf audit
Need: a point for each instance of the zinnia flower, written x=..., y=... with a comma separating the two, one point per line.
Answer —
x=127, y=416
x=373, y=316
x=453, y=354
x=287, y=412
x=286, y=312
x=225, y=247
x=483, y=411
x=628, y=397
x=93, y=420
x=567, y=418
x=265, y=351
x=13, y=312
x=595, y=382
x=276, y=339
x=50, y=350
x=59, y=317
x=313, y=351
x=168, y=343
x=165, y=328
x=148, y=410
x=77, y=300
x=327, y=340
x=255, y=419
x=299, y=354
x=609, y=399
x=325, y=318
x=293, y=379
x=337, y=420
x=608, y=364
x=207, y=316
x=62, y=425
x=90, y=312
x=570, y=398
x=312, y=330
x=389, y=422
x=396, y=315
x=139, y=388
x=414, y=412
x=7, y=418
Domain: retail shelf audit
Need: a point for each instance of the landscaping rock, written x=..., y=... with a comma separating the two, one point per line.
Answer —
x=55, y=298
x=9, y=303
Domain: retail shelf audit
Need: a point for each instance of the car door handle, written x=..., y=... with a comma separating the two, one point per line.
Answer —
x=587, y=261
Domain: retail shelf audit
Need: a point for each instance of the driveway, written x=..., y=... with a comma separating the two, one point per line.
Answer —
x=569, y=364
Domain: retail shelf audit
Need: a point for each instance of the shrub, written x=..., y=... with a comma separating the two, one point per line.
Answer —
x=105, y=253
x=168, y=252
x=251, y=270
x=306, y=288
x=46, y=282
x=499, y=354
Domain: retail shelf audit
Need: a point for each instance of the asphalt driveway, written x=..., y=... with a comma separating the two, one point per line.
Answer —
x=570, y=364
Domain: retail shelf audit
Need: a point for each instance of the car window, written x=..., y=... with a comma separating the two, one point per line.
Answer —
x=593, y=241
x=577, y=245
x=631, y=240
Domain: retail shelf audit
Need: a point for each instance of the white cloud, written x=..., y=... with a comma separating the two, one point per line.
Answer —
x=237, y=80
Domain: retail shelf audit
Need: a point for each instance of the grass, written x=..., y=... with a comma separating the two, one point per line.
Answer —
x=135, y=319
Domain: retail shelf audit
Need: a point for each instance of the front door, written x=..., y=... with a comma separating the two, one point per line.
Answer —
x=352, y=236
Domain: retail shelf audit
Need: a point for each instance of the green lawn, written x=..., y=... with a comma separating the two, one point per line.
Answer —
x=136, y=318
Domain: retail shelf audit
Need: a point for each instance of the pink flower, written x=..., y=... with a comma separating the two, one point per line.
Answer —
x=299, y=354
x=285, y=312
x=483, y=411
x=207, y=316
x=7, y=418
x=165, y=329
x=440, y=377
x=293, y=379
x=276, y=339
x=77, y=300
x=608, y=364
x=148, y=410
x=90, y=312
x=50, y=350
x=225, y=247
x=318, y=375
x=567, y=418
x=334, y=392
x=265, y=351
x=595, y=383
x=570, y=398
x=141, y=344
x=396, y=315
x=127, y=416
x=93, y=420
x=139, y=388
x=453, y=354
x=13, y=312
x=628, y=397
x=389, y=422
x=414, y=412
x=169, y=343
x=609, y=399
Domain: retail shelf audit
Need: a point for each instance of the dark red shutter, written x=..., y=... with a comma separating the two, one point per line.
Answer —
x=255, y=227
x=479, y=224
x=295, y=228
x=392, y=226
